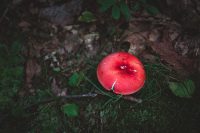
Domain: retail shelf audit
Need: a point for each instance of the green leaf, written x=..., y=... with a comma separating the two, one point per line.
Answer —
x=56, y=69
x=75, y=79
x=184, y=89
x=152, y=10
x=115, y=12
x=71, y=110
x=87, y=17
x=106, y=4
x=125, y=10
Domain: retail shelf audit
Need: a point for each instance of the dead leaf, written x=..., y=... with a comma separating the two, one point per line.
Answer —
x=33, y=69
x=24, y=24
x=71, y=43
x=149, y=56
x=137, y=43
x=168, y=53
x=57, y=90
x=159, y=34
x=37, y=48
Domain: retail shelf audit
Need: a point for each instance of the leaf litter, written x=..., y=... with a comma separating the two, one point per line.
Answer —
x=147, y=36
x=56, y=42
x=58, y=46
x=64, y=47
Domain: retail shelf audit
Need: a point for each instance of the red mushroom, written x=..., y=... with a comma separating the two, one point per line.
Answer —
x=122, y=73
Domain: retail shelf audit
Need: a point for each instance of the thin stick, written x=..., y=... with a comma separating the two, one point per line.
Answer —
x=80, y=96
x=4, y=14
x=63, y=97
x=129, y=98
x=132, y=99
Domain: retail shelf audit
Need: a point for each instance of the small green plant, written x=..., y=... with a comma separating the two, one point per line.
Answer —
x=144, y=5
x=87, y=17
x=118, y=8
x=71, y=110
x=183, y=89
x=75, y=79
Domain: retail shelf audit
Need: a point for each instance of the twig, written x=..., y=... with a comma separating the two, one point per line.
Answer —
x=132, y=99
x=129, y=98
x=80, y=96
x=100, y=91
x=63, y=97
x=4, y=14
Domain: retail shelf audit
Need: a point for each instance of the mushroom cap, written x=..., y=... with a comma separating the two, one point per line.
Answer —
x=122, y=73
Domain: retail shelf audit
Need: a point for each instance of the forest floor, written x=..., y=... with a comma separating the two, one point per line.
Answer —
x=49, y=52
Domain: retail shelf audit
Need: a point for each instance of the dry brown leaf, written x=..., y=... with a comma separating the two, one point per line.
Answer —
x=57, y=90
x=37, y=48
x=137, y=43
x=24, y=24
x=158, y=34
x=149, y=56
x=168, y=53
x=33, y=69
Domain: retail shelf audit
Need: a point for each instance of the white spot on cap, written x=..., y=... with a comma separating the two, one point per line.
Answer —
x=123, y=67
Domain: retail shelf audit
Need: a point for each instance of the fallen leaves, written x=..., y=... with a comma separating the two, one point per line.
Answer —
x=24, y=25
x=32, y=69
x=137, y=43
x=168, y=54
x=56, y=89
x=160, y=38
x=53, y=42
